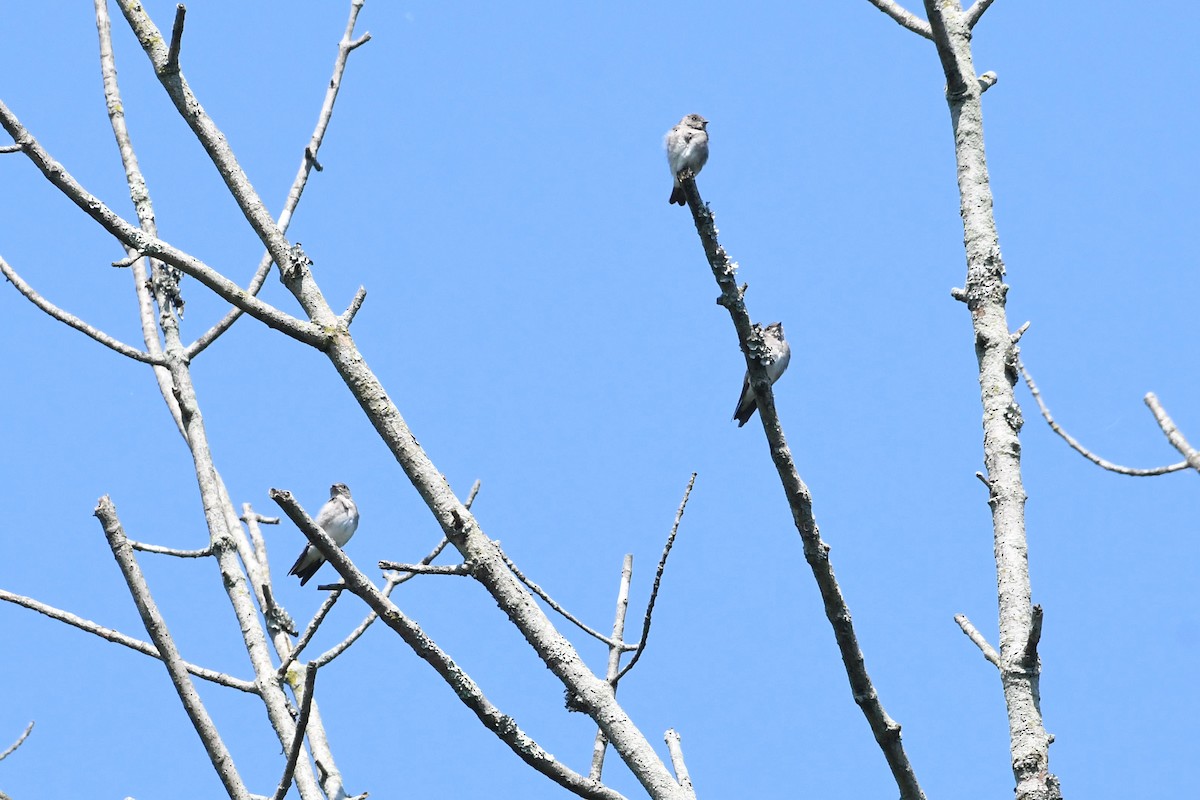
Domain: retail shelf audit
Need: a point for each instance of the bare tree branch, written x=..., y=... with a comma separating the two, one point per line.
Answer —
x=460, y=527
x=976, y=11
x=390, y=583
x=156, y=626
x=600, y=745
x=504, y=726
x=997, y=357
x=166, y=279
x=71, y=320
x=906, y=18
x=426, y=569
x=307, y=163
x=20, y=741
x=253, y=520
x=226, y=538
x=662, y=566
x=170, y=551
x=176, y=38
x=309, y=631
x=550, y=601
x=975, y=636
x=885, y=729
x=675, y=747
x=310, y=679
x=1079, y=448
x=355, y=304
x=145, y=648
x=1172, y=433
x=138, y=240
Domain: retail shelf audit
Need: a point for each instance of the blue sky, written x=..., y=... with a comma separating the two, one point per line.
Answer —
x=545, y=321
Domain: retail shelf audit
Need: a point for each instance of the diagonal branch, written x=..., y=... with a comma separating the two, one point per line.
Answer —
x=675, y=747
x=133, y=237
x=156, y=626
x=1079, y=448
x=662, y=566
x=904, y=17
x=550, y=601
x=308, y=162
x=816, y=552
x=73, y=321
x=464, y=532
x=975, y=636
x=973, y=13
x=20, y=741
x=310, y=631
x=504, y=726
x=390, y=583
x=310, y=679
x=1172, y=433
x=145, y=648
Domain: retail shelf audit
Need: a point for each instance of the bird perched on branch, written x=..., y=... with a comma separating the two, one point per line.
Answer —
x=338, y=518
x=779, y=353
x=687, y=150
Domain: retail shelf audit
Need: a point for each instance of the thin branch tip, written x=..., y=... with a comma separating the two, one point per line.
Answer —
x=990, y=653
x=355, y=304
x=904, y=18
x=172, y=64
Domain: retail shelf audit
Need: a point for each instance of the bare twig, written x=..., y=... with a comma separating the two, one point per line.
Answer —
x=73, y=321
x=145, y=648
x=906, y=18
x=176, y=38
x=170, y=551
x=128, y=260
x=390, y=583
x=600, y=745
x=502, y=725
x=310, y=630
x=975, y=636
x=1035, y=637
x=662, y=565
x=20, y=741
x=10, y=148
x=307, y=163
x=253, y=520
x=973, y=13
x=156, y=626
x=550, y=601
x=675, y=747
x=1172, y=433
x=285, y=782
x=1079, y=448
x=355, y=304
x=426, y=569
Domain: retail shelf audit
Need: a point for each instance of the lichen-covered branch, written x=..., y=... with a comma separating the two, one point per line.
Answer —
x=995, y=351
